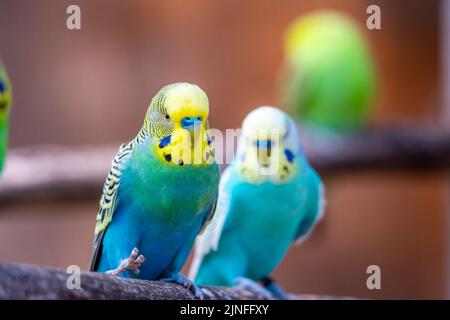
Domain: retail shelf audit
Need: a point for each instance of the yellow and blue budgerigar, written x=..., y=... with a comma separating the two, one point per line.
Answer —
x=5, y=107
x=269, y=197
x=160, y=192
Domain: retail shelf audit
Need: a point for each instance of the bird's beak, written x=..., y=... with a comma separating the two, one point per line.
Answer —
x=264, y=151
x=191, y=123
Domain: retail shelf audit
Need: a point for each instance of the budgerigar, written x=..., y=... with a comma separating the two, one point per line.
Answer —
x=5, y=106
x=269, y=197
x=160, y=192
x=328, y=78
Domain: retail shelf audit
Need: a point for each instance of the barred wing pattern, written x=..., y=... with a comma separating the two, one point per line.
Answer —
x=109, y=199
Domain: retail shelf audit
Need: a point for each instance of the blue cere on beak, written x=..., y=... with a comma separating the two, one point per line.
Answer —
x=190, y=122
x=2, y=87
x=263, y=144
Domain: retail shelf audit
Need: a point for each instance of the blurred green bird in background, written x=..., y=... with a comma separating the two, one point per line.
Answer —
x=5, y=106
x=327, y=80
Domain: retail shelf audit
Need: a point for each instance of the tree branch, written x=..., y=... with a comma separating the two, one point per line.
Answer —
x=21, y=281
x=418, y=148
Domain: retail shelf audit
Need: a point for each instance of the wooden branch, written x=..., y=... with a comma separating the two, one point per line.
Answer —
x=71, y=172
x=55, y=171
x=418, y=148
x=21, y=281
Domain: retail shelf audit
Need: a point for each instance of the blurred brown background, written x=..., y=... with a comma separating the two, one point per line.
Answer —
x=93, y=86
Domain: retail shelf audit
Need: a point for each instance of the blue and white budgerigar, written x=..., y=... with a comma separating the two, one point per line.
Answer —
x=269, y=197
x=160, y=192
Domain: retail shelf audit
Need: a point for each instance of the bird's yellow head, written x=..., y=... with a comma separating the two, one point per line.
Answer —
x=269, y=146
x=177, y=120
x=5, y=95
x=5, y=107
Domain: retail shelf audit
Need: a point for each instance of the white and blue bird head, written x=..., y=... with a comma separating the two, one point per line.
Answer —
x=269, y=146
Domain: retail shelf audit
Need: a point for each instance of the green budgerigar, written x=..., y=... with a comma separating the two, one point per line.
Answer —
x=327, y=80
x=5, y=107
x=160, y=192
x=269, y=197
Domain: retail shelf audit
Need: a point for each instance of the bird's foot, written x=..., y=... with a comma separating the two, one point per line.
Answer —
x=133, y=262
x=186, y=283
x=276, y=290
x=242, y=283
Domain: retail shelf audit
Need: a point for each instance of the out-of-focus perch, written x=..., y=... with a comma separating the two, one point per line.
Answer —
x=21, y=281
x=418, y=148
x=55, y=171
x=59, y=171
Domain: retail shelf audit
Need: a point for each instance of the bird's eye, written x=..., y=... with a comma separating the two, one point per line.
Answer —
x=167, y=117
x=287, y=133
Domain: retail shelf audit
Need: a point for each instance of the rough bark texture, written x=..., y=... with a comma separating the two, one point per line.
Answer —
x=70, y=172
x=21, y=281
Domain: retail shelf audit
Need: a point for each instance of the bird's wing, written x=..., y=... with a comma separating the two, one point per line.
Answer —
x=209, y=238
x=315, y=207
x=209, y=217
x=108, y=201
